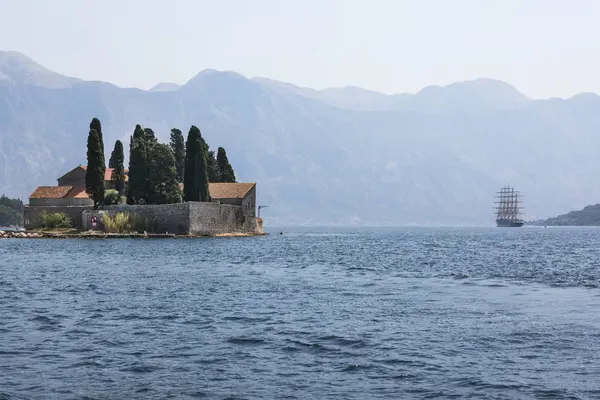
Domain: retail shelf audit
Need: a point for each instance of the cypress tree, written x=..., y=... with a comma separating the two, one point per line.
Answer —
x=97, y=126
x=224, y=167
x=195, y=176
x=202, y=176
x=149, y=136
x=192, y=150
x=118, y=174
x=213, y=170
x=178, y=148
x=112, y=163
x=162, y=176
x=137, y=167
x=94, y=175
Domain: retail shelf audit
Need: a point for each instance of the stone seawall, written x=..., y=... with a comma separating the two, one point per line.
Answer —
x=214, y=218
x=33, y=219
x=191, y=218
x=161, y=218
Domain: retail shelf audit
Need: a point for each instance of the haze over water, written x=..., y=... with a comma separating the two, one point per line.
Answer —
x=408, y=313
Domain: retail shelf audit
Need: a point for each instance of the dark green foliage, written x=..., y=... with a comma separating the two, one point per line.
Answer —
x=112, y=197
x=97, y=126
x=11, y=211
x=94, y=176
x=192, y=148
x=178, y=148
x=55, y=220
x=195, y=176
x=118, y=174
x=202, y=177
x=137, y=167
x=112, y=162
x=149, y=136
x=213, y=170
x=589, y=216
x=163, y=187
x=152, y=172
x=225, y=170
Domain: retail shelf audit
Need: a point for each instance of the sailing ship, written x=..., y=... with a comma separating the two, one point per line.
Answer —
x=508, y=209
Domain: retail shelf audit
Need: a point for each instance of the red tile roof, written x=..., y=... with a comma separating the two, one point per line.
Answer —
x=107, y=173
x=50, y=192
x=228, y=190
x=78, y=192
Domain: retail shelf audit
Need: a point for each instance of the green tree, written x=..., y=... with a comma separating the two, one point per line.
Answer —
x=94, y=176
x=213, y=169
x=224, y=167
x=178, y=148
x=192, y=148
x=162, y=176
x=195, y=176
x=97, y=126
x=118, y=174
x=137, y=167
x=202, y=176
x=112, y=161
x=11, y=211
x=149, y=136
x=111, y=197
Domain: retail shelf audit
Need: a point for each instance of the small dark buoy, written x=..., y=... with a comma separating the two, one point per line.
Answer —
x=281, y=233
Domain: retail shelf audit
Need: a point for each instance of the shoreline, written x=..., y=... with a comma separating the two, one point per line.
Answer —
x=103, y=235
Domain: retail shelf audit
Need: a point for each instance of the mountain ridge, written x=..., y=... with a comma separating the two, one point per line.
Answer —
x=321, y=160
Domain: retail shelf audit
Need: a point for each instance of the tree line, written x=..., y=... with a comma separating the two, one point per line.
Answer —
x=11, y=211
x=155, y=169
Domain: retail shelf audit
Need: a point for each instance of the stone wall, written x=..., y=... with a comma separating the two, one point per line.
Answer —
x=75, y=177
x=249, y=203
x=214, y=218
x=160, y=218
x=60, y=202
x=33, y=220
x=193, y=218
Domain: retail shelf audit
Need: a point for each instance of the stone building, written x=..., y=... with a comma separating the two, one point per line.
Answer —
x=76, y=177
x=233, y=207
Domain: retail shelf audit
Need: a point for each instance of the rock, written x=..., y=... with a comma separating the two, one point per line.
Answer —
x=1, y=233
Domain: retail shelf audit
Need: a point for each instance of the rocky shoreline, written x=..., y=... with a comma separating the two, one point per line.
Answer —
x=102, y=235
x=19, y=235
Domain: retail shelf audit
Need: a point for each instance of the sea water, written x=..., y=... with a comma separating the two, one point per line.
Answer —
x=323, y=314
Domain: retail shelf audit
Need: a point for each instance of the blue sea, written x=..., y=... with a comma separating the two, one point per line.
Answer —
x=417, y=313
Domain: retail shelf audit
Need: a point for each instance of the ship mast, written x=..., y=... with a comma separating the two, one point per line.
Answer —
x=508, y=208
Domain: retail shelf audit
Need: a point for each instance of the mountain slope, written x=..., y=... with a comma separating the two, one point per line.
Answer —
x=435, y=159
x=588, y=216
x=21, y=70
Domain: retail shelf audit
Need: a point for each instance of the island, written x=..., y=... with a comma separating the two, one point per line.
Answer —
x=588, y=216
x=178, y=189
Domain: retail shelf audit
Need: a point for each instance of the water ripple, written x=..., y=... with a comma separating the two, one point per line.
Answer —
x=412, y=313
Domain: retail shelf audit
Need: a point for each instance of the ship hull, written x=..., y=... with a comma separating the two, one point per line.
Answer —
x=503, y=223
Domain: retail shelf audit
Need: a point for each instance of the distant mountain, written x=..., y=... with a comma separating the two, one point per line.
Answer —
x=589, y=216
x=21, y=70
x=472, y=96
x=333, y=156
x=165, y=87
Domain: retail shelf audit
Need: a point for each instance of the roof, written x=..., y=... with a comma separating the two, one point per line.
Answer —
x=107, y=172
x=77, y=192
x=228, y=190
x=50, y=192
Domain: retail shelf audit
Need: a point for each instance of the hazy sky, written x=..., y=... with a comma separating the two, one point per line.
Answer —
x=545, y=48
